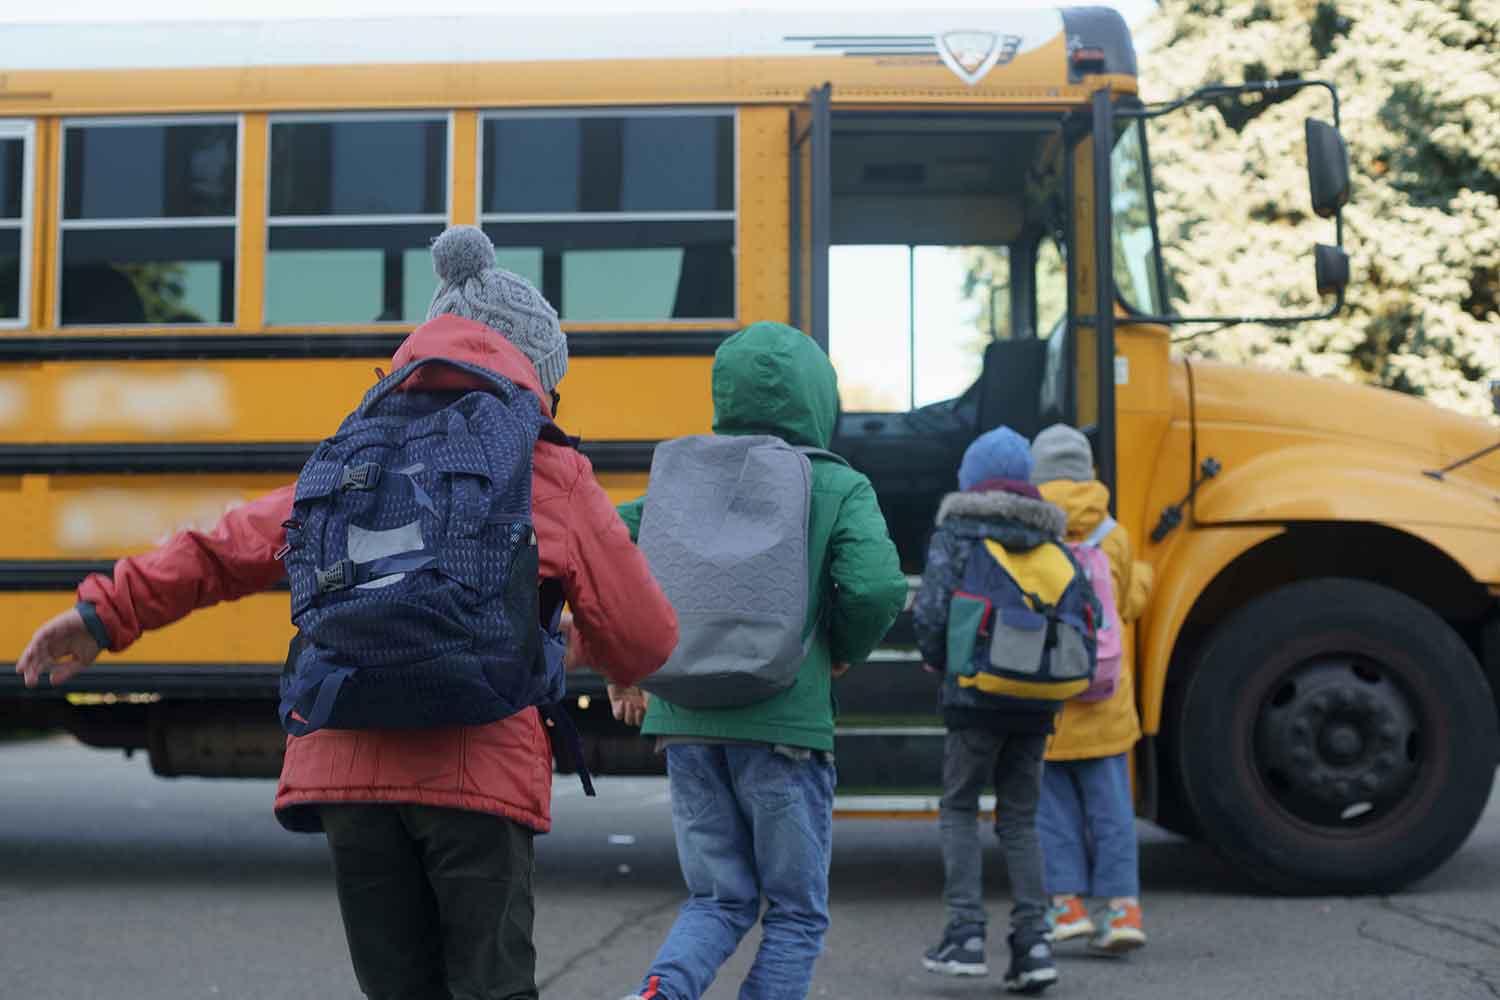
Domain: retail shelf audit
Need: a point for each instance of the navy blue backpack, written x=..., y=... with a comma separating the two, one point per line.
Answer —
x=413, y=564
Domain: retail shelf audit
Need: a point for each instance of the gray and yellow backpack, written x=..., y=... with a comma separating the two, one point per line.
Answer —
x=1023, y=624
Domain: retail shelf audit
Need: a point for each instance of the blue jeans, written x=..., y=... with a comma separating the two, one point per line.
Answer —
x=1087, y=822
x=751, y=822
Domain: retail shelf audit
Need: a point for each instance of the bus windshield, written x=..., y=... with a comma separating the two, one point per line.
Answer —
x=1136, y=275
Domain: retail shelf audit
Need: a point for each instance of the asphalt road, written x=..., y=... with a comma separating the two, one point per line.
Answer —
x=115, y=884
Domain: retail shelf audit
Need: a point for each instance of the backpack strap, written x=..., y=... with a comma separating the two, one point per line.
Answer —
x=822, y=453
x=1098, y=535
x=553, y=434
x=316, y=691
x=564, y=736
x=494, y=381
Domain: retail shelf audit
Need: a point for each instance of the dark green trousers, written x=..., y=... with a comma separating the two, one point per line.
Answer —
x=436, y=902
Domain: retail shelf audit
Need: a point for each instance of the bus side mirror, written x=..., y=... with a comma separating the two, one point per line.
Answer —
x=1327, y=168
x=1332, y=266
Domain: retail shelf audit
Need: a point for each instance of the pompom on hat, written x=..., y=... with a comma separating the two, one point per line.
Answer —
x=472, y=287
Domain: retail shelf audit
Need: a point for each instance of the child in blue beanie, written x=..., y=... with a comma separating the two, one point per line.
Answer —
x=988, y=735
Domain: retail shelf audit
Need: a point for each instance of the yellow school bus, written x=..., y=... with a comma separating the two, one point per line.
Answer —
x=211, y=234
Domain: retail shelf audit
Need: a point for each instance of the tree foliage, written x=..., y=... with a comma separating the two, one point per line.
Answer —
x=1420, y=84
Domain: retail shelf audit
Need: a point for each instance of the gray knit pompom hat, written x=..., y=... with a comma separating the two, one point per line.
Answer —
x=472, y=287
x=1060, y=452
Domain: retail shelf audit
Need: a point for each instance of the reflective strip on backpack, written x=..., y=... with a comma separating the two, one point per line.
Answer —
x=1098, y=535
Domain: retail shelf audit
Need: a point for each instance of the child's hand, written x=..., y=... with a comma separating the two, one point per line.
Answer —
x=930, y=668
x=61, y=648
x=628, y=704
x=838, y=669
x=569, y=635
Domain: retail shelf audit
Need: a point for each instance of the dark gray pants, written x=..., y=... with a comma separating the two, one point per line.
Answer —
x=972, y=759
x=436, y=902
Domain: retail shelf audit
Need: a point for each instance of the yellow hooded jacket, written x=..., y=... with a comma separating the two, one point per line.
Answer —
x=1086, y=729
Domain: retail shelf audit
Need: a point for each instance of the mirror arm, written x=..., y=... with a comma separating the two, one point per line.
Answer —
x=1143, y=319
x=1146, y=112
x=1211, y=92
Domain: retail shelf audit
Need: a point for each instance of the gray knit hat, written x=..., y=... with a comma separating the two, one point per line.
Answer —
x=472, y=287
x=1060, y=452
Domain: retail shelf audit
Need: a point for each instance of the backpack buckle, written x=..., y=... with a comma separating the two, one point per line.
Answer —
x=359, y=477
x=339, y=576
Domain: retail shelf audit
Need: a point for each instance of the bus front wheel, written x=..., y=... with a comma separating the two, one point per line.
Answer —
x=1336, y=737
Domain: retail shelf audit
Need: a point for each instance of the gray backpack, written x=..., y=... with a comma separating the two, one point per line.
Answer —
x=725, y=533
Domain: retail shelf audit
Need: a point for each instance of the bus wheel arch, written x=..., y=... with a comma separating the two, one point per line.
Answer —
x=1250, y=675
x=1374, y=553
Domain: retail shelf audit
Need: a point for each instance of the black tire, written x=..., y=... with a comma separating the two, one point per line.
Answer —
x=1173, y=813
x=1336, y=737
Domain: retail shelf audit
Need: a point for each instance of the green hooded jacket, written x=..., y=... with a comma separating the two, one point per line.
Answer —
x=771, y=379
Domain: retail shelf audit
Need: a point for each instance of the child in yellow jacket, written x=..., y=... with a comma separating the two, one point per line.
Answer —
x=1087, y=815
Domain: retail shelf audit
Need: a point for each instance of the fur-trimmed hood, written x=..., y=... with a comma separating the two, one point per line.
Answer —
x=997, y=507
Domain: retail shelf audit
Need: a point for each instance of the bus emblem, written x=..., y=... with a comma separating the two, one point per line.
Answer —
x=972, y=54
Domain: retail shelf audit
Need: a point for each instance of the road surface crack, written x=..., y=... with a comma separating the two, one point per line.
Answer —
x=610, y=936
x=1478, y=930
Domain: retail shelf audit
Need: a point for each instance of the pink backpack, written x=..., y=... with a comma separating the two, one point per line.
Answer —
x=1095, y=565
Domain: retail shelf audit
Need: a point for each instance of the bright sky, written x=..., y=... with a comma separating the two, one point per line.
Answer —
x=143, y=10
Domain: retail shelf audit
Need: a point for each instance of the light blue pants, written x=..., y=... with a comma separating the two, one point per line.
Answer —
x=1087, y=823
x=751, y=823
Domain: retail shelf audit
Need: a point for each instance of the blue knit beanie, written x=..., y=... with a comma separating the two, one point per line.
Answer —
x=997, y=454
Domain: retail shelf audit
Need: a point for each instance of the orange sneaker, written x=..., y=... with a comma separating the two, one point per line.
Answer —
x=1069, y=919
x=1122, y=931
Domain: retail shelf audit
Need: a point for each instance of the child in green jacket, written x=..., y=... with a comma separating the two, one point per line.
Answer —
x=752, y=786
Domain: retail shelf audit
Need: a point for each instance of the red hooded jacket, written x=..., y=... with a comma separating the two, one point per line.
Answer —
x=623, y=621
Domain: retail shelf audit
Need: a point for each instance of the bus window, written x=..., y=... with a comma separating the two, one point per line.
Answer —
x=148, y=224
x=908, y=325
x=1136, y=276
x=15, y=218
x=355, y=201
x=615, y=217
x=926, y=212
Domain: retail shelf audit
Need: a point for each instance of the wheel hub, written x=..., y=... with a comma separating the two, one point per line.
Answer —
x=1337, y=741
x=1342, y=743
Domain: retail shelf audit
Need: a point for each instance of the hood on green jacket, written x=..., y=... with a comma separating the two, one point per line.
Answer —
x=772, y=379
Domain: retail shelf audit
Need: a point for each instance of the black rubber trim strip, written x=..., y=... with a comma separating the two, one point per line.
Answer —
x=230, y=347
x=55, y=574
x=48, y=574
x=241, y=456
x=182, y=680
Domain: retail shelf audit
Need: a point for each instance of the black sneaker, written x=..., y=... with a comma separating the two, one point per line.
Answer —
x=1031, y=967
x=960, y=953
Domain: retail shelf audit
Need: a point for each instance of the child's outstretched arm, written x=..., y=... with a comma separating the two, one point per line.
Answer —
x=193, y=570
x=154, y=589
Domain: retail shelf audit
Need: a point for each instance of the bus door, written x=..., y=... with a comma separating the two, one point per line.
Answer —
x=930, y=258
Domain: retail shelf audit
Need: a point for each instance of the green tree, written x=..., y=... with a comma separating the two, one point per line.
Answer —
x=1420, y=83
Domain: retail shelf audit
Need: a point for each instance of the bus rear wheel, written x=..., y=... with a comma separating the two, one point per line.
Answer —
x=1336, y=737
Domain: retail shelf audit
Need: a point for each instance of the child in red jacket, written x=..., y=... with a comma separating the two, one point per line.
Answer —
x=431, y=829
